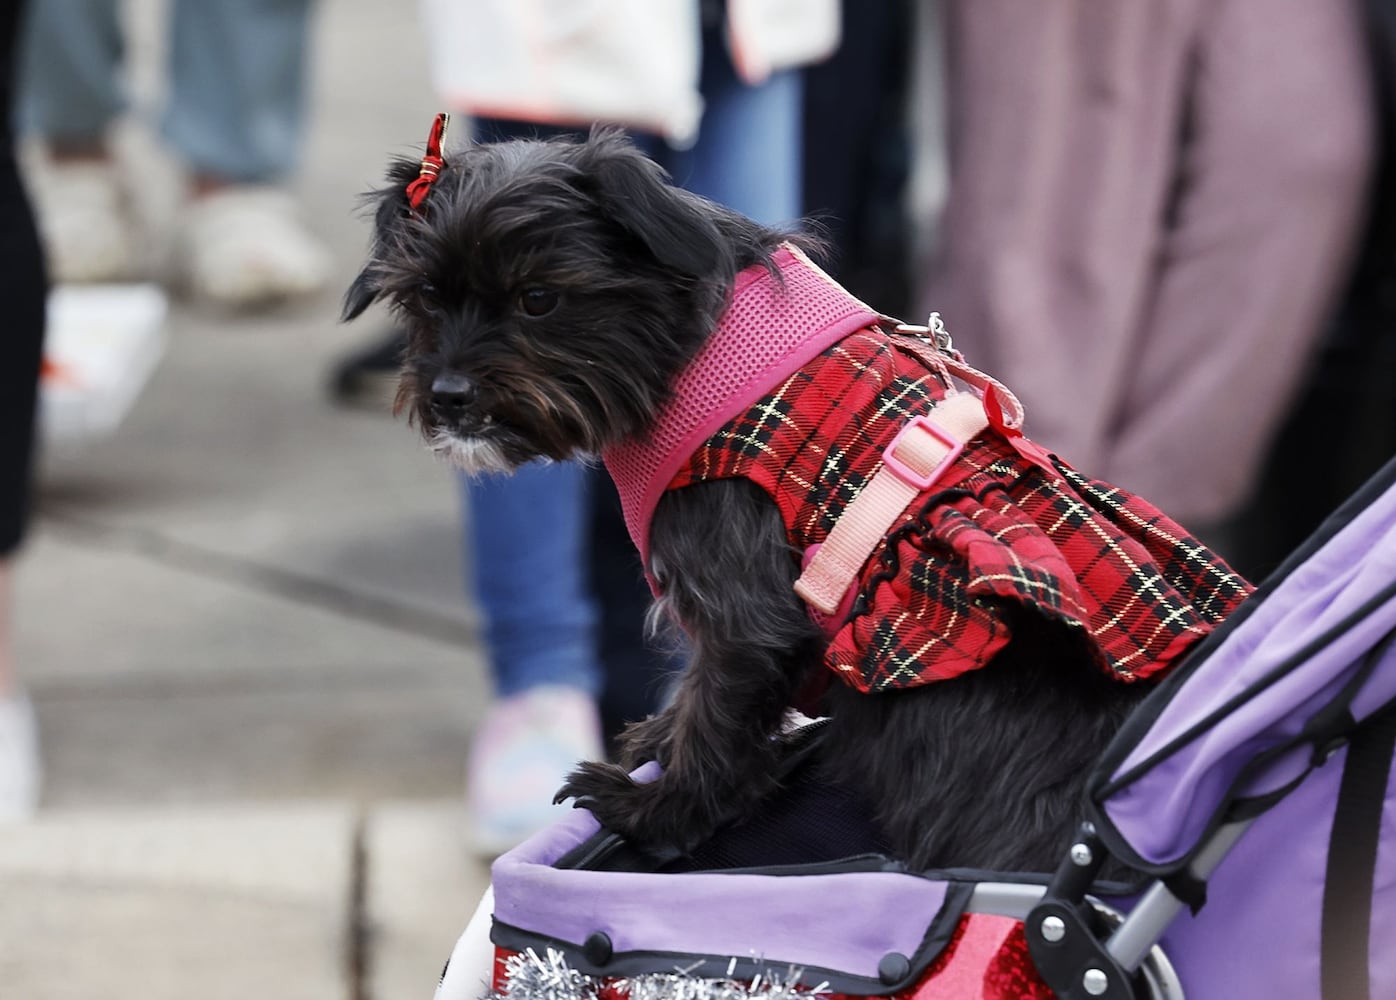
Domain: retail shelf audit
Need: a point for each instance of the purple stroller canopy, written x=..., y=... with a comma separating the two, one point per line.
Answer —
x=1265, y=699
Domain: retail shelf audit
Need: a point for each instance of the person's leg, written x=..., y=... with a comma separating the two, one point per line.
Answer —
x=527, y=550
x=19, y=743
x=1276, y=163
x=9, y=672
x=22, y=288
x=1062, y=122
x=748, y=152
x=527, y=537
x=236, y=116
x=70, y=93
x=70, y=85
x=857, y=154
x=238, y=83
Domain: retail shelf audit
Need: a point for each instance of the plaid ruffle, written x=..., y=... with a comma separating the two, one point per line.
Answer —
x=936, y=599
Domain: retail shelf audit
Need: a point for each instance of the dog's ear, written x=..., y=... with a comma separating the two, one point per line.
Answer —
x=677, y=228
x=363, y=291
x=391, y=214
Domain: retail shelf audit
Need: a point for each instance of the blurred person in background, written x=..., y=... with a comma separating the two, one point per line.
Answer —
x=858, y=157
x=235, y=117
x=1347, y=411
x=1151, y=207
x=22, y=289
x=564, y=608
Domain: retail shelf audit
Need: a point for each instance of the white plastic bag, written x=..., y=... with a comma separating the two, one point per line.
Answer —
x=101, y=344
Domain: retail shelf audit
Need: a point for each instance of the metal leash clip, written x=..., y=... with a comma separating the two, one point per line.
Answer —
x=934, y=332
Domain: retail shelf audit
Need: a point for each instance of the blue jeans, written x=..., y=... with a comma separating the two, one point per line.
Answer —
x=555, y=574
x=527, y=536
x=237, y=80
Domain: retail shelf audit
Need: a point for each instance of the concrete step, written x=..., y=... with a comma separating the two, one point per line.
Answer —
x=293, y=901
x=421, y=887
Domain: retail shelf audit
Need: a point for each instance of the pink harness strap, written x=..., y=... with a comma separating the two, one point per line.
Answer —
x=911, y=464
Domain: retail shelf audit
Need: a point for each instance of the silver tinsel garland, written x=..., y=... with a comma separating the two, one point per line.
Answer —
x=549, y=977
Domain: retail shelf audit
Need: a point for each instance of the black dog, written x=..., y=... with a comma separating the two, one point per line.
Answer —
x=554, y=292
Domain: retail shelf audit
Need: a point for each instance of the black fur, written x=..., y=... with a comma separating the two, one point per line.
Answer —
x=503, y=218
x=982, y=771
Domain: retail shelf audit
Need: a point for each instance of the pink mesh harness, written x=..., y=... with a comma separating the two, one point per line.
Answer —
x=767, y=333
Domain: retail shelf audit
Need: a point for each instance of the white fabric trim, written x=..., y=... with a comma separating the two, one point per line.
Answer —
x=471, y=967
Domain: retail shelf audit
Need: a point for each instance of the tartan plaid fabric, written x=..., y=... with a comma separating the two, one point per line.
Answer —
x=996, y=532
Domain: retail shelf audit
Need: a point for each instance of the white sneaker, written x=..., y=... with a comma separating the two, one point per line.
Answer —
x=245, y=246
x=85, y=221
x=19, y=760
x=526, y=747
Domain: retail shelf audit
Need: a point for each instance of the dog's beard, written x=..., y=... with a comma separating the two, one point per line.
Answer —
x=474, y=455
x=481, y=456
x=495, y=446
x=532, y=419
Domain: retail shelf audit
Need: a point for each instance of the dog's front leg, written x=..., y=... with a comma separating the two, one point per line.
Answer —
x=727, y=571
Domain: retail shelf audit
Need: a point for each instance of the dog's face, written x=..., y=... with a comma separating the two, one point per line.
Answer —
x=550, y=290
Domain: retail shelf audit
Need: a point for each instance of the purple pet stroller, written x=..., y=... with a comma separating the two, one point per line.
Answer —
x=1251, y=795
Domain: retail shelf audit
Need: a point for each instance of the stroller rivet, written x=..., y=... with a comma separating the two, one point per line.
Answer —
x=597, y=948
x=893, y=968
x=1053, y=930
x=1095, y=982
x=1081, y=855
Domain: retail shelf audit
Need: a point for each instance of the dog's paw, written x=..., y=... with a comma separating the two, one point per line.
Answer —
x=654, y=814
x=593, y=783
x=609, y=793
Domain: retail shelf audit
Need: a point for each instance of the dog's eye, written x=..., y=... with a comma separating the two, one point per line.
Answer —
x=425, y=287
x=537, y=301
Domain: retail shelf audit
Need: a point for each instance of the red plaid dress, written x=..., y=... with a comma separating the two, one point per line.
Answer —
x=995, y=532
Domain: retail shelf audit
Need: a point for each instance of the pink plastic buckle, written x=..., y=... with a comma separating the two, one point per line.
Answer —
x=908, y=475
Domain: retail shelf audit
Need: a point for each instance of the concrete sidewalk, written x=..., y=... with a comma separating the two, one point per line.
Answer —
x=242, y=624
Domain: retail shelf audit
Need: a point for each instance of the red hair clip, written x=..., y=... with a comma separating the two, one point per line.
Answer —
x=432, y=162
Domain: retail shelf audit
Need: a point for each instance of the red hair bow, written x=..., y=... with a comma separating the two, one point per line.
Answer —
x=432, y=162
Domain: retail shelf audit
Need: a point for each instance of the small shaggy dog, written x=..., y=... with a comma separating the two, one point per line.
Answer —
x=565, y=300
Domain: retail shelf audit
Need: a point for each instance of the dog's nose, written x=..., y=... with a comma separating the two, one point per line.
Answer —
x=452, y=394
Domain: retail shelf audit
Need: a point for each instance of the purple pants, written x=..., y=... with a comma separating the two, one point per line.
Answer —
x=1151, y=206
